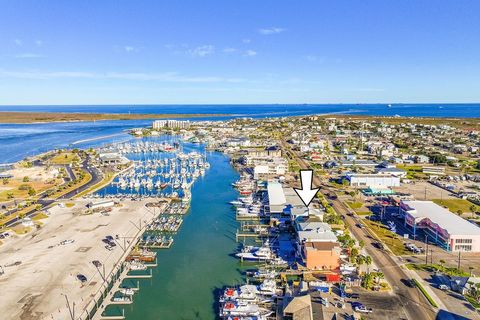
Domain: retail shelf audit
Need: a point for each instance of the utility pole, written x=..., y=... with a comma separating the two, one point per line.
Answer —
x=458, y=265
x=72, y=312
x=426, y=249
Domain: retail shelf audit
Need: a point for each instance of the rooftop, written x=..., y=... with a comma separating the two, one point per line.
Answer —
x=276, y=195
x=445, y=219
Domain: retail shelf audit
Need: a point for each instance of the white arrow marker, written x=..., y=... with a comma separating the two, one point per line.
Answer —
x=306, y=193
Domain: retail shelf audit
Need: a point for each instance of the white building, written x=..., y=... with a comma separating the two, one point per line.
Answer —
x=101, y=204
x=269, y=167
x=373, y=180
x=159, y=124
x=276, y=197
x=112, y=158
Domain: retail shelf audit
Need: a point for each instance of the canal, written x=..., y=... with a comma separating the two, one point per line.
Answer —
x=190, y=275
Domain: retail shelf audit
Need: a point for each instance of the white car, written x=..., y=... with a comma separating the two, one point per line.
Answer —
x=363, y=309
x=65, y=242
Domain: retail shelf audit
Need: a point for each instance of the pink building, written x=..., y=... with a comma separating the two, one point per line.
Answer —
x=441, y=226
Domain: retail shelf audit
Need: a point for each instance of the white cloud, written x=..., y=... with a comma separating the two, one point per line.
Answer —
x=129, y=48
x=272, y=30
x=368, y=89
x=18, y=42
x=314, y=58
x=133, y=76
x=229, y=50
x=250, y=53
x=202, y=51
x=246, y=40
x=28, y=55
x=39, y=43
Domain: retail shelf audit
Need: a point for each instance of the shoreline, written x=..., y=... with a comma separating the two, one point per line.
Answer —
x=27, y=117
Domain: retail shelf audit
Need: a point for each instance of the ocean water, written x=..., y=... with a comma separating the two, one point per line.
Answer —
x=21, y=140
x=273, y=110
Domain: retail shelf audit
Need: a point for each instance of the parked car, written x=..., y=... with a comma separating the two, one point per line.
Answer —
x=443, y=287
x=379, y=245
x=97, y=263
x=82, y=278
x=363, y=309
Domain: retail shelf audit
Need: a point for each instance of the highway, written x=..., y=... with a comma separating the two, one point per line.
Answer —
x=414, y=304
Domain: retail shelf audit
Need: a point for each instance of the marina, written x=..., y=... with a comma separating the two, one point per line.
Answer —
x=165, y=174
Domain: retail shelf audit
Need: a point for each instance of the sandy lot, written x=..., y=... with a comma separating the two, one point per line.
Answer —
x=34, y=289
x=421, y=188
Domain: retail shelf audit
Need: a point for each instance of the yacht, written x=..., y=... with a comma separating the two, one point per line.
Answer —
x=263, y=253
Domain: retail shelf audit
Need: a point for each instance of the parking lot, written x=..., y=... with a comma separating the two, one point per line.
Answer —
x=422, y=190
x=380, y=304
x=43, y=266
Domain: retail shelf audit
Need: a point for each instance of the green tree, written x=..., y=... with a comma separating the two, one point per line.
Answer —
x=380, y=276
x=368, y=262
x=471, y=270
x=442, y=263
x=473, y=210
x=361, y=244
x=26, y=179
x=32, y=192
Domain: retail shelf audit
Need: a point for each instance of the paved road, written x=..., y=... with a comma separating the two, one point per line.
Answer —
x=414, y=304
x=96, y=178
x=45, y=202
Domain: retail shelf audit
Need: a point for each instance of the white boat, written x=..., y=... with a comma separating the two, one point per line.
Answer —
x=263, y=253
x=127, y=291
x=268, y=288
x=245, y=293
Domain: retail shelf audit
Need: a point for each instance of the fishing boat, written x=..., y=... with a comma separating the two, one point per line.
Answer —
x=263, y=253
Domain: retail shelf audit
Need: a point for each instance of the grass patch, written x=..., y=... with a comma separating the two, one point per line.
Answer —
x=473, y=301
x=20, y=229
x=355, y=205
x=107, y=178
x=425, y=293
x=39, y=216
x=387, y=237
x=437, y=267
x=454, y=205
x=87, y=177
x=363, y=213
x=65, y=158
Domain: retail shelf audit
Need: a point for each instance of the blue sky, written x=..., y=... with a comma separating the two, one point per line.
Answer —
x=249, y=51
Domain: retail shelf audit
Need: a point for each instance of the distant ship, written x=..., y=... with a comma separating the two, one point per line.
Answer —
x=389, y=105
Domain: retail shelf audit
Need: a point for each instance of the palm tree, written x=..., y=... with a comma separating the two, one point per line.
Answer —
x=360, y=260
x=368, y=262
x=361, y=244
x=380, y=276
x=473, y=210
x=442, y=262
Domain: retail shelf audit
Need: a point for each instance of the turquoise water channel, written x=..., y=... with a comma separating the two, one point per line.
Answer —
x=190, y=275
